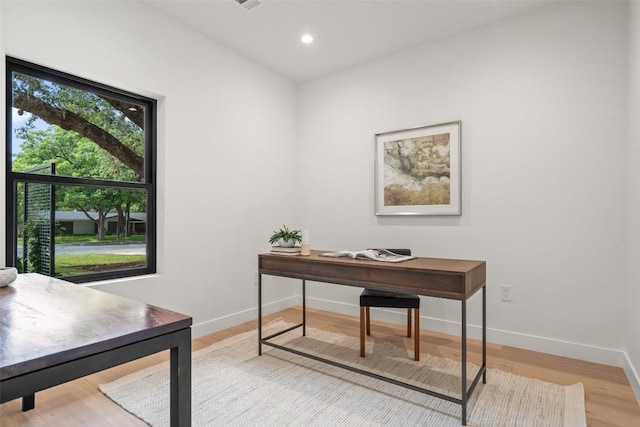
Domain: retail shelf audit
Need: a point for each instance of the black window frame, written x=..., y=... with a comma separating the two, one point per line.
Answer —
x=148, y=184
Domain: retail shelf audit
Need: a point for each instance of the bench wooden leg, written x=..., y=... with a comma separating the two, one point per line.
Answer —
x=362, y=326
x=368, y=320
x=416, y=332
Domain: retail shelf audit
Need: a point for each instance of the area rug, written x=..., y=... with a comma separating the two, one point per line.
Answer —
x=233, y=386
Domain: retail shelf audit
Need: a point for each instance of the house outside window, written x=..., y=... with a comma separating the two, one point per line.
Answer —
x=80, y=176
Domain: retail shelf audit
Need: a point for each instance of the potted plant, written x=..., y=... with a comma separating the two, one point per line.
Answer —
x=286, y=238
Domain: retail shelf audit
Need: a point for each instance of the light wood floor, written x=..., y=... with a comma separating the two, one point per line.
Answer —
x=608, y=397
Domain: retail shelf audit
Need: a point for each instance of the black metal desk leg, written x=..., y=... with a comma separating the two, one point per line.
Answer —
x=464, y=362
x=484, y=333
x=28, y=402
x=304, y=308
x=259, y=314
x=180, y=382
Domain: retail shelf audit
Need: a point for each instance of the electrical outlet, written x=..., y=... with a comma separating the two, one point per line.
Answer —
x=505, y=293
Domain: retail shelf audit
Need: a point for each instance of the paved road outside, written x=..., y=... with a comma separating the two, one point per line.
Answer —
x=98, y=248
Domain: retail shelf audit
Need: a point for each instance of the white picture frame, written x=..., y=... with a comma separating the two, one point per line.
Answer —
x=417, y=171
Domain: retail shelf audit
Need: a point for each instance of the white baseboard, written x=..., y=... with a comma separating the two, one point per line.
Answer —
x=573, y=350
x=632, y=376
x=234, y=319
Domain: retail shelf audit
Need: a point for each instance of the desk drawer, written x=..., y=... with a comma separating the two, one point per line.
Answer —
x=362, y=274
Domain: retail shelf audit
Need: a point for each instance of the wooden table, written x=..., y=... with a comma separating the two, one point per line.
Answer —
x=442, y=278
x=52, y=331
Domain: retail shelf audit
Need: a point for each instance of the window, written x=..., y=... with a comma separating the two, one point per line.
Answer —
x=80, y=176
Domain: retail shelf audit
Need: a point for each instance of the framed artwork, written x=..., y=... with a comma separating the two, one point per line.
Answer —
x=418, y=171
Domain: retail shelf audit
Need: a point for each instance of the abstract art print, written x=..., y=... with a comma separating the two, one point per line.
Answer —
x=418, y=171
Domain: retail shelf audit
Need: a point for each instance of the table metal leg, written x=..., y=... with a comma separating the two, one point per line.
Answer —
x=259, y=314
x=304, y=308
x=464, y=362
x=484, y=333
x=180, y=382
x=28, y=402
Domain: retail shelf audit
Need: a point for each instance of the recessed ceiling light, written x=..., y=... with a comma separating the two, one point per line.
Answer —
x=307, y=39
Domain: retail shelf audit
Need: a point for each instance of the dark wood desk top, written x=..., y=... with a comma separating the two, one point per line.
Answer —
x=46, y=321
x=444, y=278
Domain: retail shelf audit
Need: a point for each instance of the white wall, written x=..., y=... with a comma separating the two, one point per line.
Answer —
x=632, y=330
x=543, y=103
x=542, y=99
x=224, y=122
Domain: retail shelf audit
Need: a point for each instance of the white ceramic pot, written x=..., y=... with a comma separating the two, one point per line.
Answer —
x=7, y=275
x=286, y=243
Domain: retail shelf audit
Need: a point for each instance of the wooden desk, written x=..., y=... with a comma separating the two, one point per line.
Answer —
x=52, y=331
x=433, y=277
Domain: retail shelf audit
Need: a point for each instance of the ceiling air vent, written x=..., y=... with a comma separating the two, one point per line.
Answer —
x=249, y=4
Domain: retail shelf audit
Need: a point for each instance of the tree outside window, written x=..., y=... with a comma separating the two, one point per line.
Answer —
x=80, y=181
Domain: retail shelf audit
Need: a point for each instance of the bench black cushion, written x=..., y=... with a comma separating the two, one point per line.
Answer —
x=375, y=298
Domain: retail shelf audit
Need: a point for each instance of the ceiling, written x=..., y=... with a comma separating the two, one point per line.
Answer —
x=346, y=32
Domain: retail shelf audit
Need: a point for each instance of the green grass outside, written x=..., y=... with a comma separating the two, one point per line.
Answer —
x=72, y=264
